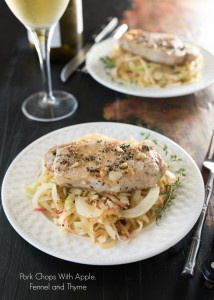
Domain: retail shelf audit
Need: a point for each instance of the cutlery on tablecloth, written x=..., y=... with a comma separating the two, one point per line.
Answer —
x=188, y=270
x=116, y=34
x=79, y=58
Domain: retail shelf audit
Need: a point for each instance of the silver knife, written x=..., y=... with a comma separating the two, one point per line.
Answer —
x=116, y=34
x=79, y=58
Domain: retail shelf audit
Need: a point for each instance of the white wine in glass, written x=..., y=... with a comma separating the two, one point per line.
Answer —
x=40, y=17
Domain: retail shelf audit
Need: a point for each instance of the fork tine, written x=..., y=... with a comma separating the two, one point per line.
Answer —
x=210, y=148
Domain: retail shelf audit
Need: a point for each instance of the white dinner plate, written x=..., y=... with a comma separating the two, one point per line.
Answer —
x=96, y=69
x=39, y=231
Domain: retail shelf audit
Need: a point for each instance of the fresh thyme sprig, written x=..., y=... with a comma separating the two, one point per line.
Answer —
x=165, y=148
x=109, y=67
x=107, y=62
x=173, y=187
x=170, y=196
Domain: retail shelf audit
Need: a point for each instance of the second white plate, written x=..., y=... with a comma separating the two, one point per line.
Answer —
x=97, y=71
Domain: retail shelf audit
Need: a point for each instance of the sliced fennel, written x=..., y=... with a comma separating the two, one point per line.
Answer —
x=110, y=231
x=86, y=210
x=143, y=206
x=41, y=190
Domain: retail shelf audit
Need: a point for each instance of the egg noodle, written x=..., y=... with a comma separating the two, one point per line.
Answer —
x=135, y=69
x=103, y=217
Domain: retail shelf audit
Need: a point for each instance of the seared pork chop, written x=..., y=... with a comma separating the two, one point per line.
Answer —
x=99, y=163
x=157, y=47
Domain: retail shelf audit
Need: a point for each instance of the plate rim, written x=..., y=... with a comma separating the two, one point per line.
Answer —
x=27, y=238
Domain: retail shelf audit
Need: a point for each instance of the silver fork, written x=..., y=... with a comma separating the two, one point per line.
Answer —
x=188, y=270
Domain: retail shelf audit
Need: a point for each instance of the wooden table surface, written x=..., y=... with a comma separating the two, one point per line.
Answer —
x=187, y=120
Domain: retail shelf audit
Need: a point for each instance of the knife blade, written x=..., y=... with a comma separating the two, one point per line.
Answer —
x=79, y=58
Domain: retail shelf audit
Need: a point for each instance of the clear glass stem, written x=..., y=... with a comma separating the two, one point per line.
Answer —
x=48, y=105
x=42, y=41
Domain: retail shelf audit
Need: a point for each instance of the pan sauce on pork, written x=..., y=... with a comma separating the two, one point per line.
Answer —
x=99, y=163
x=158, y=47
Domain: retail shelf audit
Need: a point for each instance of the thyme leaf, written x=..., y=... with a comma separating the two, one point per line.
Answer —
x=170, y=196
x=107, y=62
x=172, y=188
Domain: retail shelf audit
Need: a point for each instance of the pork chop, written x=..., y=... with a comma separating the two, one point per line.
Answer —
x=99, y=163
x=158, y=47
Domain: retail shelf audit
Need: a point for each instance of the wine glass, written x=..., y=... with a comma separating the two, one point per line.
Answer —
x=40, y=18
